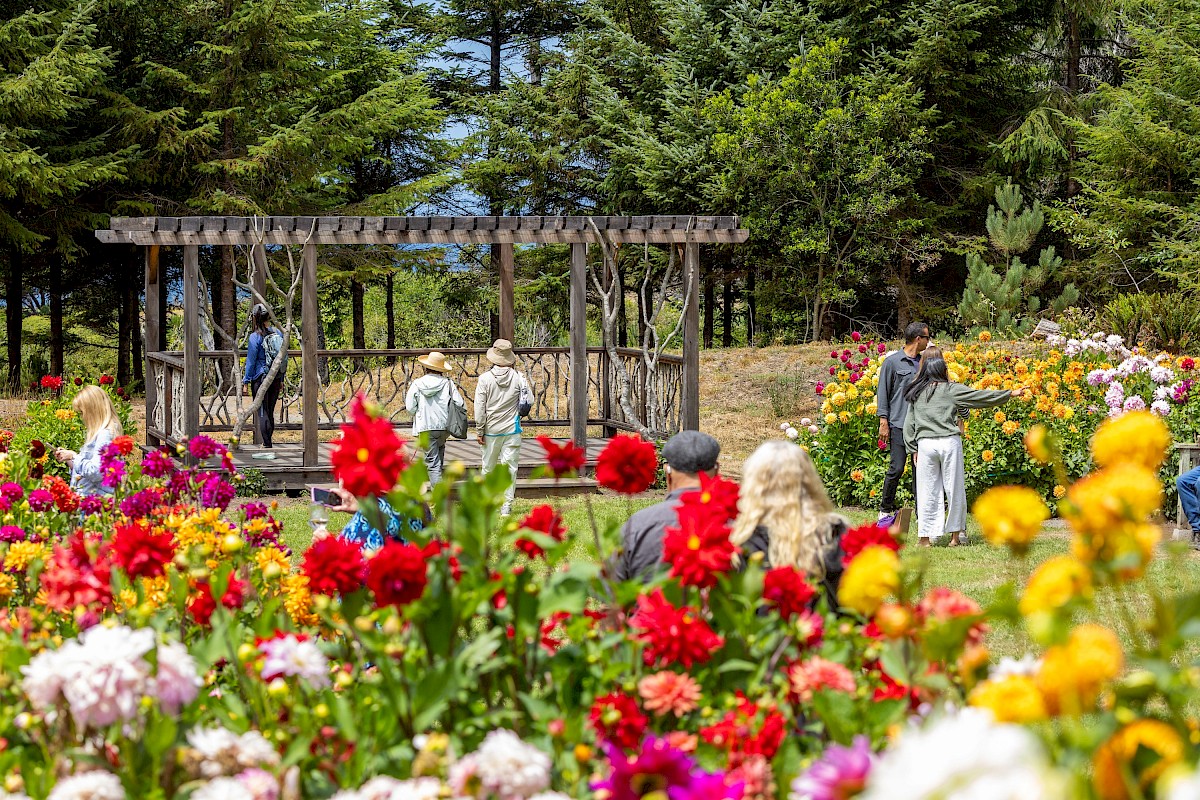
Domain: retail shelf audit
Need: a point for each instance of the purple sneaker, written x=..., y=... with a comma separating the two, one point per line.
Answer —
x=886, y=520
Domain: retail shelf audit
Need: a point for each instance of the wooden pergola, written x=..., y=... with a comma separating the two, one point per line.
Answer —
x=174, y=415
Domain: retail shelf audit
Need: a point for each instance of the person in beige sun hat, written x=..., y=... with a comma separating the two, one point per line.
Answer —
x=428, y=400
x=499, y=397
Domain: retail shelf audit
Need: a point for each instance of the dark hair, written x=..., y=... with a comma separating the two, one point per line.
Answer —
x=933, y=371
x=260, y=316
x=914, y=330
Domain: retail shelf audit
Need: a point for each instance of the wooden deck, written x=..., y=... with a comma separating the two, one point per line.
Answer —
x=286, y=472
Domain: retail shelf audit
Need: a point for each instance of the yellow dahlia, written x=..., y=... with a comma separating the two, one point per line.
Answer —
x=1137, y=437
x=1014, y=698
x=1011, y=515
x=871, y=577
x=987, y=456
x=21, y=554
x=1010, y=427
x=1072, y=675
x=8, y=586
x=1145, y=749
x=1055, y=583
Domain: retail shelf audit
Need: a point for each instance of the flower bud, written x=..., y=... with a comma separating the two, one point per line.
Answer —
x=583, y=753
x=231, y=543
x=277, y=688
x=246, y=651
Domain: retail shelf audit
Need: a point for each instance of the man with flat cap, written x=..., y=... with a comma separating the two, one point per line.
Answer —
x=686, y=454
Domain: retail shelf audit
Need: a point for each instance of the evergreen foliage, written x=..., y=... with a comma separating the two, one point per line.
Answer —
x=1006, y=301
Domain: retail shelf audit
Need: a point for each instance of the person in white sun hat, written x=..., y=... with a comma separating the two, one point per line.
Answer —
x=499, y=397
x=428, y=400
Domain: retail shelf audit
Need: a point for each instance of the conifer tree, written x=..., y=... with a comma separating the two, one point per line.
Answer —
x=1006, y=302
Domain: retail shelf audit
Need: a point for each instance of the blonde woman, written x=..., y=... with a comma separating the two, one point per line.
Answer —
x=785, y=513
x=101, y=426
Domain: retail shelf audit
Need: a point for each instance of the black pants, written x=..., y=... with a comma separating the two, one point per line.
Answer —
x=891, y=481
x=266, y=412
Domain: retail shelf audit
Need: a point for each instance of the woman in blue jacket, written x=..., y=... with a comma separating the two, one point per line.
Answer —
x=265, y=344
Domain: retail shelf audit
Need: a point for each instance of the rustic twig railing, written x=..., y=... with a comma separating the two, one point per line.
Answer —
x=575, y=386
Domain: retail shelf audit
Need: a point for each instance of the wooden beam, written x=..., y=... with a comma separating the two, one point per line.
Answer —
x=433, y=236
x=153, y=343
x=507, y=315
x=690, y=412
x=309, y=320
x=579, y=357
x=191, y=342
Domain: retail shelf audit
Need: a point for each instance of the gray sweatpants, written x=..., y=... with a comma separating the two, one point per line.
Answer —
x=940, y=478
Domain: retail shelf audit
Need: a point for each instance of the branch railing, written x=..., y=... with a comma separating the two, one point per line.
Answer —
x=385, y=376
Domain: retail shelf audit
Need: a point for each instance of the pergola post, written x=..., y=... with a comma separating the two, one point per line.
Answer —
x=258, y=282
x=579, y=358
x=690, y=410
x=309, y=320
x=153, y=336
x=508, y=326
x=191, y=341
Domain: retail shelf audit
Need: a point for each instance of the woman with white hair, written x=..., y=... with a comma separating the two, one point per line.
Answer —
x=785, y=513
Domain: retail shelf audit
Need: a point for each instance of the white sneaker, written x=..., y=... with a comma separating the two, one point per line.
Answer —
x=505, y=510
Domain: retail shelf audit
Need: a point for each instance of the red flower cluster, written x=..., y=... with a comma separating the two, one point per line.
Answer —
x=855, y=540
x=786, y=589
x=396, y=574
x=627, y=465
x=6, y=437
x=334, y=566
x=716, y=497
x=124, y=444
x=368, y=457
x=551, y=632
x=672, y=635
x=562, y=460
x=37, y=449
x=543, y=519
x=748, y=730
x=52, y=382
x=140, y=551
x=78, y=575
x=202, y=604
x=1187, y=364
x=65, y=499
x=698, y=549
x=617, y=719
x=106, y=380
x=942, y=605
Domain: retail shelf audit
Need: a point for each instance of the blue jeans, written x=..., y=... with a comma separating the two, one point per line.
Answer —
x=1188, y=485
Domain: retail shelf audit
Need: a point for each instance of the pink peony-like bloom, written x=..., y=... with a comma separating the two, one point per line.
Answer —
x=177, y=682
x=855, y=336
x=839, y=773
x=669, y=692
x=289, y=655
x=41, y=500
x=807, y=677
x=261, y=784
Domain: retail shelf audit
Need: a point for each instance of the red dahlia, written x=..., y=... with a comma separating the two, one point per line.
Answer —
x=396, y=574
x=562, y=460
x=334, y=566
x=202, y=604
x=78, y=574
x=855, y=540
x=786, y=589
x=368, y=457
x=141, y=552
x=543, y=519
x=124, y=444
x=65, y=499
x=617, y=719
x=741, y=733
x=716, y=497
x=52, y=382
x=628, y=465
x=106, y=380
x=698, y=549
x=672, y=635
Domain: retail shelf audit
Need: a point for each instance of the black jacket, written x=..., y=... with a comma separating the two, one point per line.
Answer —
x=759, y=542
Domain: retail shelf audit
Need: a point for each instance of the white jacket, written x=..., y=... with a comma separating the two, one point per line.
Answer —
x=497, y=396
x=427, y=400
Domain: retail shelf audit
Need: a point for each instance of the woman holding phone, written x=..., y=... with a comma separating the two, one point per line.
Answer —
x=359, y=529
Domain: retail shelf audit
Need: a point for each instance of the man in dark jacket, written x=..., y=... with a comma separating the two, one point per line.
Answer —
x=686, y=454
x=894, y=374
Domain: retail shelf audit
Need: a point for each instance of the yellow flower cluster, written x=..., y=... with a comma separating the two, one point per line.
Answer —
x=871, y=577
x=1011, y=515
x=8, y=586
x=272, y=562
x=297, y=600
x=1138, y=437
x=1014, y=698
x=64, y=414
x=1144, y=749
x=1054, y=584
x=20, y=555
x=1072, y=675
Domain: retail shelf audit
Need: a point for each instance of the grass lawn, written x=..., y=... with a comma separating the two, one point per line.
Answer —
x=976, y=570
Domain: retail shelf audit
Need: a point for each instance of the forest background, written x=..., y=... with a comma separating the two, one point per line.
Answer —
x=893, y=159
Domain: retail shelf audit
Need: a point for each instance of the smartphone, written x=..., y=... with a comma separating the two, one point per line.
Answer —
x=324, y=497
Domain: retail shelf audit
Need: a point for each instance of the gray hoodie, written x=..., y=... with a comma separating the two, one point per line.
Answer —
x=496, y=398
x=427, y=400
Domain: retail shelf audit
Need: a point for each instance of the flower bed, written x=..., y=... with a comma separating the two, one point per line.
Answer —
x=163, y=644
x=1074, y=384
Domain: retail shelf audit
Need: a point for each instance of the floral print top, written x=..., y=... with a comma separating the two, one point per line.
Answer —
x=86, y=478
x=359, y=530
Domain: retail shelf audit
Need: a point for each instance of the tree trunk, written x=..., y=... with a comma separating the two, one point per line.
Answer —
x=710, y=300
x=356, y=315
x=123, y=340
x=1074, y=48
x=57, y=358
x=727, y=301
x=13, y=314
x=751, y=308
x=135, y=334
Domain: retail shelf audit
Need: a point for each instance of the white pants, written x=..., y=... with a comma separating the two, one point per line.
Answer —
x=940, y=478
x=503, y=450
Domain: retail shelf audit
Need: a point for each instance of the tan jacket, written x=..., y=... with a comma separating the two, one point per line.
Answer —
x=497, y=396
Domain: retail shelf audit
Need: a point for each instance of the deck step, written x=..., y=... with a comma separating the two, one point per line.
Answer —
x=530, y=487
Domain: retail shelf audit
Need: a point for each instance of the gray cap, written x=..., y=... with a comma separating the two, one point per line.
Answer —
x=691, y=452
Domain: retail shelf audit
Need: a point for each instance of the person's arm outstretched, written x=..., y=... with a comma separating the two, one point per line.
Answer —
x=966, y=397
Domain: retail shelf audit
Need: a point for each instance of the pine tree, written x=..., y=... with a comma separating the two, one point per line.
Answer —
x=994, y=300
